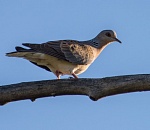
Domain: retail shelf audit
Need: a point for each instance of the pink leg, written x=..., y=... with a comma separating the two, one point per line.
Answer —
x=58, y=74
x=76, y=77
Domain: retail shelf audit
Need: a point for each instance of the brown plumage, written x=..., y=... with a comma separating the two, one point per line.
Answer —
x=69, y=57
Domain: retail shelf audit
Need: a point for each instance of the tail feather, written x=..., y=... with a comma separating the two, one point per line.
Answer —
x=20, y=52
x=30, y=55
x=20, y=49
x=10, y=54
x=27, y=44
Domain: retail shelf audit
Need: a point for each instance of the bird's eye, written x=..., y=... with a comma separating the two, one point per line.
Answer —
x=108, y=34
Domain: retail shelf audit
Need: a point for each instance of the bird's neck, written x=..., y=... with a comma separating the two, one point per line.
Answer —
x=99, y=43
x=101, y=47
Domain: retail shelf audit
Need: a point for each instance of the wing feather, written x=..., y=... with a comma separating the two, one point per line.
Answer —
x=70, y=50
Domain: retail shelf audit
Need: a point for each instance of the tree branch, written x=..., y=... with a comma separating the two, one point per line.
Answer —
x=94, y=88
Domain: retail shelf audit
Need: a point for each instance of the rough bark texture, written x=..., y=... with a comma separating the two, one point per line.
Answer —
x=94, y=88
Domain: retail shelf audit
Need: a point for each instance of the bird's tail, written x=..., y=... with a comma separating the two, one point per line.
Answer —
x=20, y=52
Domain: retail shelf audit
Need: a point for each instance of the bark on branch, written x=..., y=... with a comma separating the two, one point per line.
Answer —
x=94, y=88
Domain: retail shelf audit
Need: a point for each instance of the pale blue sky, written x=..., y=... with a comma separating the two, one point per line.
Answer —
x=38, y=21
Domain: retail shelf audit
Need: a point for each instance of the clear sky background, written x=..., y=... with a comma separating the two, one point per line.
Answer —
x=38, y=21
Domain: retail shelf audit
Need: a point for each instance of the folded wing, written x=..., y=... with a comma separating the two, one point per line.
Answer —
x=69, y=50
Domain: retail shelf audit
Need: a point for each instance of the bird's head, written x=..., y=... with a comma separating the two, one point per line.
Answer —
x=108, y=36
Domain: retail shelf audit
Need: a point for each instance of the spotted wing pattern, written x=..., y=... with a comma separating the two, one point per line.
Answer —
x=70, y=50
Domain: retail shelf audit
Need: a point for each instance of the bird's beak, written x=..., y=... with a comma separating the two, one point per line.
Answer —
x=118, y=40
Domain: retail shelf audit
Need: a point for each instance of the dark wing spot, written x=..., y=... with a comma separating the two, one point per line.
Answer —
x=72, y=48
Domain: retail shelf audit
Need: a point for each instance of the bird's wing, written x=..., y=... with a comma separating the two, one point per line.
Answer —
x=69, y=50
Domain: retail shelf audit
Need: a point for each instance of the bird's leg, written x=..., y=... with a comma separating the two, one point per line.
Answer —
x=76, y=77
x=58, y=74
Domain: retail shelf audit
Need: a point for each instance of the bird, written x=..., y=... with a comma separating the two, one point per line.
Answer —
x=65, y=57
